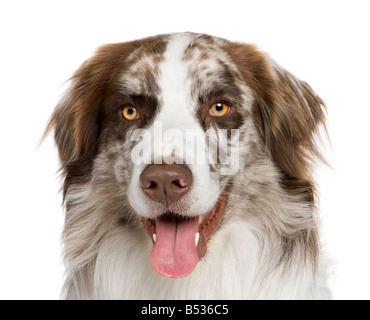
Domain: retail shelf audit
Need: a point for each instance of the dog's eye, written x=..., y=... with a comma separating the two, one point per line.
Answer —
x=219, y=109
x=130, y=113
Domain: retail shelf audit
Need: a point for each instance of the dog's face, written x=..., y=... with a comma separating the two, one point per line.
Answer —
x=162, y=128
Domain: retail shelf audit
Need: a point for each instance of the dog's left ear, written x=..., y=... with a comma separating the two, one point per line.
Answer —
x=287, y=112
x=292, y=114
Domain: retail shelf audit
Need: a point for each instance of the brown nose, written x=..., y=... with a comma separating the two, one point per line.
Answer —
x=166, y=183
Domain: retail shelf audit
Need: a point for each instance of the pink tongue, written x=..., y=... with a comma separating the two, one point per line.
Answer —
x=174, y=254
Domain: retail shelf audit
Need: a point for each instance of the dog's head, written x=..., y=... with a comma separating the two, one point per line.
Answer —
x=161, y=129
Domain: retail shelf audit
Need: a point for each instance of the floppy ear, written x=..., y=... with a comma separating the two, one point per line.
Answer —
x=291, y=114
x=291, y=122
x=76, y=120
x=288, y=115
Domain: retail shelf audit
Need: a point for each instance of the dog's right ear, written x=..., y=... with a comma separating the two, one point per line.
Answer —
x=76, y=121
x=75, y=117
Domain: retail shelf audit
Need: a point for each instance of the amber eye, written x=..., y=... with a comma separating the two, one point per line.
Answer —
x=130, y=113
x=219, y=109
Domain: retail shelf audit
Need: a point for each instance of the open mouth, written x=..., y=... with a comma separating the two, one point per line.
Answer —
x=180, y=242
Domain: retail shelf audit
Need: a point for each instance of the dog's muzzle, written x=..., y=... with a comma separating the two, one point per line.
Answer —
x=179, y=241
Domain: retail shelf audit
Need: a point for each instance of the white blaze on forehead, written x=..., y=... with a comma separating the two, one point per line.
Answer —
x=174, y=83
x=178, y=110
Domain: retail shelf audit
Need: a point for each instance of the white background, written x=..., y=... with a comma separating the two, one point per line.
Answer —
x=326, y=43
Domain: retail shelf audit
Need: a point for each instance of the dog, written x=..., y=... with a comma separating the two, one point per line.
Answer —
x=187, y=163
